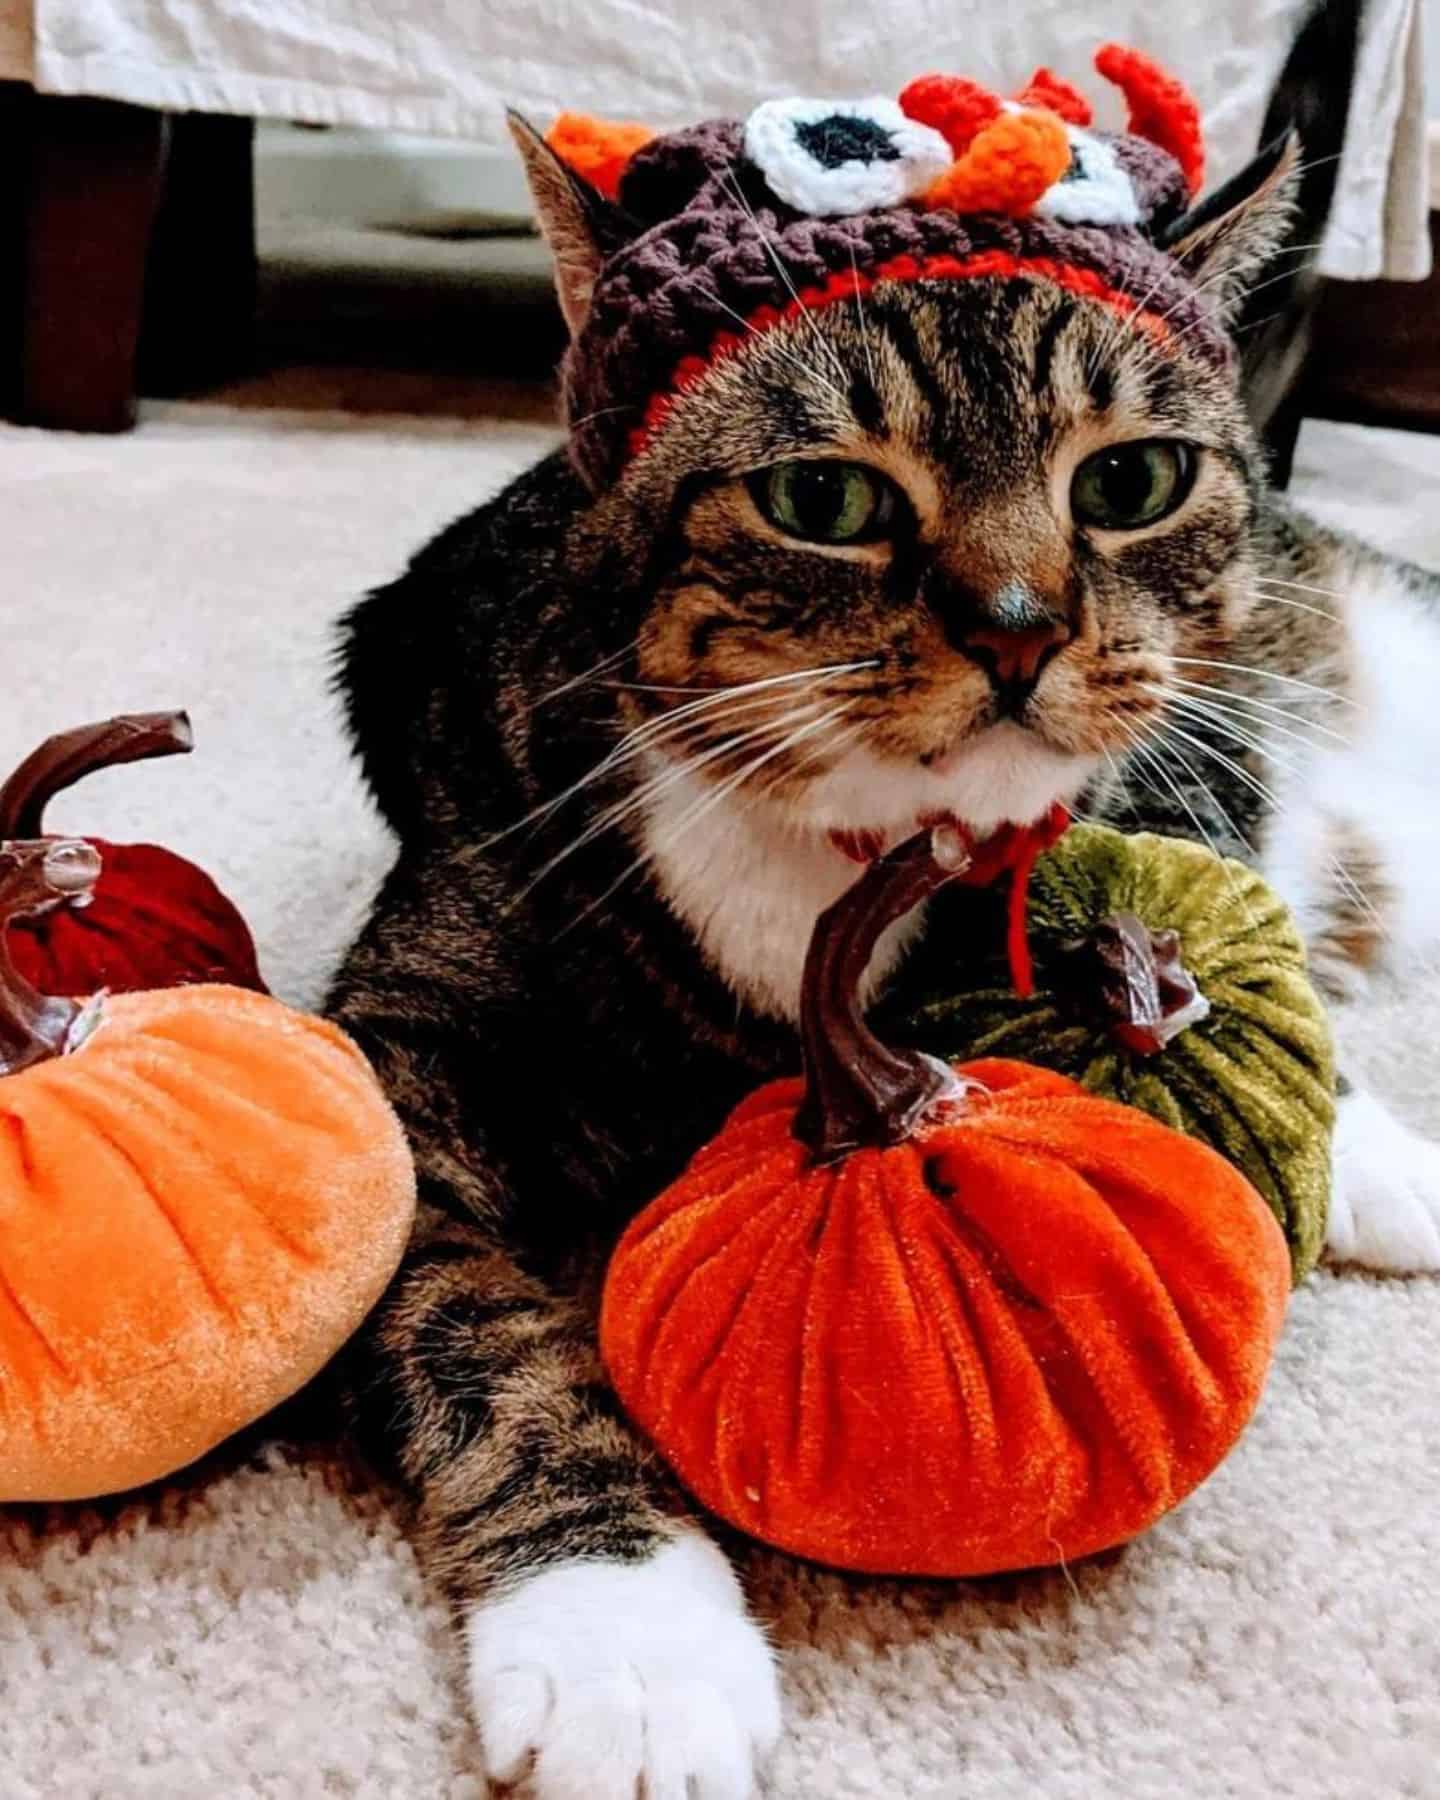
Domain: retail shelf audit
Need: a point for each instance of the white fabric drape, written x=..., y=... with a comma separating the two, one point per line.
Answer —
x=449, y=66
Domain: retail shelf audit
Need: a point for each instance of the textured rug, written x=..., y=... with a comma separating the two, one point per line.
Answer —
x=259, y=1627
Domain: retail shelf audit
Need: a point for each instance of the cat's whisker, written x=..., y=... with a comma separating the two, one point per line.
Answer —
x=699, y=810
x=1310, y=687
x=1168, y=731
x=717, y=708
x=650, y=687
x=1266, y=708
x=1223, y=275
x=767, y=243
x=605, y=664
x=861, y=320
x=1227, y=818
x=664, y=778
x=707, y=803
x=1201, y=706
x=773, y=341
x=1316, y=162
x=1269, y=711
x=842, y=740
x=1269, y=599
x=1304, y=587
x=1116, y=780
x=1356, y=891
x=670, y=772
x=601, y=412
x=1102, y=342
x=1150, y=761
x=1151, y=758
x=645, y=735
x=1237, y=733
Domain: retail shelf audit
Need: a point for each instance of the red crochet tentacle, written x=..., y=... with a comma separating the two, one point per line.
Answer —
x=1046, y=88
x=1162, y=109
x=958, y=109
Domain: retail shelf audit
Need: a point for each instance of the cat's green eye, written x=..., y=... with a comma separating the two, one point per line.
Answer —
x=1127, y=486
x=825, y=502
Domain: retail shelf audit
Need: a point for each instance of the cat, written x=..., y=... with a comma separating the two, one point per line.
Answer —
x=967, y=547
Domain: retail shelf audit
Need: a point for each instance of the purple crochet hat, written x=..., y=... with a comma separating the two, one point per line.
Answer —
x=729, y=228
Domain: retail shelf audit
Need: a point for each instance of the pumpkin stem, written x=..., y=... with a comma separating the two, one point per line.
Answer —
x=1133, y=980
x=858, y=1091
x=71, y=755
x=34, y=877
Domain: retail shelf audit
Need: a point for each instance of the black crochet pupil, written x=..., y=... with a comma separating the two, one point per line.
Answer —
x=840, y=139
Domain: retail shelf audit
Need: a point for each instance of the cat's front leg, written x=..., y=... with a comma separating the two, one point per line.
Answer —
x=608, y=1648
x=1385, y=1200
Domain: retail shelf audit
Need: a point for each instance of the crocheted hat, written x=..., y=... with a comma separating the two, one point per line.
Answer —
x=729, y=228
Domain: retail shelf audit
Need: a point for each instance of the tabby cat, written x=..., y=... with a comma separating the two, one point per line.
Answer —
x=963, y=547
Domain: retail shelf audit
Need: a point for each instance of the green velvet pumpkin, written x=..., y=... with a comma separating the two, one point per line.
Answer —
x=1255, y=1079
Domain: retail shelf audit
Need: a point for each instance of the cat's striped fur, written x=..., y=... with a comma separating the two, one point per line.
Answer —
x=589, y=947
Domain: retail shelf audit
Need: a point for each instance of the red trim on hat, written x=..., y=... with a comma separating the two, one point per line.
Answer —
x=846, y=284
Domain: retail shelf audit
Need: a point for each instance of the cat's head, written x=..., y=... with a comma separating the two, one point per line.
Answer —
x=921, y=510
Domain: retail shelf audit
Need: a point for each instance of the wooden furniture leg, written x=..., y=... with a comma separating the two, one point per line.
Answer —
x=14, y=160
x=94, y=179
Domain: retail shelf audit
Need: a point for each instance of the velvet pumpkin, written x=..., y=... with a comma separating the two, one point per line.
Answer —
x=1166, y=978
x=155, y=920
x=202, y=1193
x=909, y=1319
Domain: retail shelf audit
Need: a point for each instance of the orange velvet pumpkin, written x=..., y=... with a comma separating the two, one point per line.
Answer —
x=910, y=1320
x=202, y=1193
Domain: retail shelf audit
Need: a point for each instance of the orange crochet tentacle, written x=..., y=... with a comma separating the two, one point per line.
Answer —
x=1046, y=88
x=1162, y=109
x=1007, y=168
x=958, y=109
x=598, y=150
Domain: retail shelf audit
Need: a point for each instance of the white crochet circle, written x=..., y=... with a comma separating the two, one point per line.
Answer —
x=855, y=186
x=1100, y=194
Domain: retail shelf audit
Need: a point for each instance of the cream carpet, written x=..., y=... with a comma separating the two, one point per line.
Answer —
x=260, y=1628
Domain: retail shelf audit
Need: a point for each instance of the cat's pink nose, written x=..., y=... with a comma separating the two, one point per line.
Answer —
x=1012, y=635
x=1014, y=658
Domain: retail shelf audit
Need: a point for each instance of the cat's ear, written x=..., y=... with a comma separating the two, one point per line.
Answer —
x=580, y=225
x=1232, y=236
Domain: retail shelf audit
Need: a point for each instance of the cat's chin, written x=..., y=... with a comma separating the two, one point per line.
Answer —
x=1004, y=775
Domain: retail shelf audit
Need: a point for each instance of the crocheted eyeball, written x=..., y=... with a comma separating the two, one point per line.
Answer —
x=1094, y=190
x=836, y=157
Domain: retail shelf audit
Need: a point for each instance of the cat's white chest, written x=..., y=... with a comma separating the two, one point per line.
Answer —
x=750, y=891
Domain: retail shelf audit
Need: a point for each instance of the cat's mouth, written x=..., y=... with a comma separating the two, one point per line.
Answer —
x=1004, y=775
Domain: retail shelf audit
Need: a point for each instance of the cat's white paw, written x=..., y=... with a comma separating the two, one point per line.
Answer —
x=609, y=1681
x=1385, y=1205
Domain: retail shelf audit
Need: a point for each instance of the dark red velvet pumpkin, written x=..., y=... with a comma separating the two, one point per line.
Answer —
x=155, y=921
